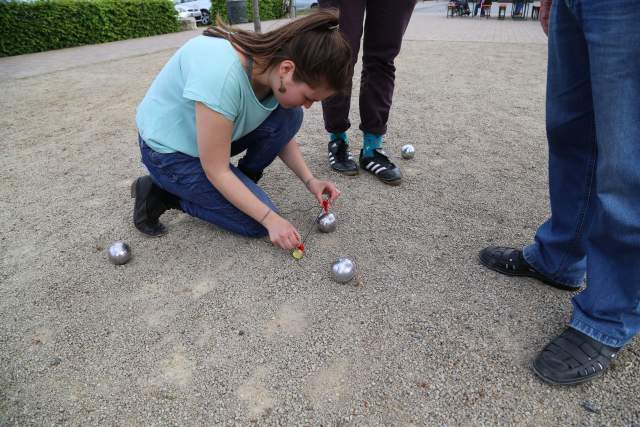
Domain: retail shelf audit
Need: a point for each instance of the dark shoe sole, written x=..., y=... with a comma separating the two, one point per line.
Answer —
x=157, y=230
x=554, y=382
x=393, y=183
x=536, y=276
x=347, y=173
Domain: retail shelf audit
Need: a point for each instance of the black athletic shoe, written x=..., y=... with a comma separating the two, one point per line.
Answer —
x=380, y=165
x=340, y=158
x=151, y=201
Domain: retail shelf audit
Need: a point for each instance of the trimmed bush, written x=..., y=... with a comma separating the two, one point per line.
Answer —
x=269, y=9
x=45, y=25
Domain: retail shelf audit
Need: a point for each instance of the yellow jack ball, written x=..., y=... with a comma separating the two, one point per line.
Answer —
x=297, y=254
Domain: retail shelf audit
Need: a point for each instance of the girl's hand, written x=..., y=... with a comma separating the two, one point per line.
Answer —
x=319, y=188
x=281, y=232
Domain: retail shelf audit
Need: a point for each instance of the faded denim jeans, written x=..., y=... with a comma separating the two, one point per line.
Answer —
x=593, y=130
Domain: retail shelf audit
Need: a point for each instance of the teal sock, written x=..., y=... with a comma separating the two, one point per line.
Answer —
x=339, y=135
x=371, y=142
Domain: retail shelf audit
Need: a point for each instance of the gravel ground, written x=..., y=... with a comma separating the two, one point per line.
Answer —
x=203, y=327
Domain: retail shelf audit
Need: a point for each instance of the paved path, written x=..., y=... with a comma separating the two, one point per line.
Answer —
x=428, y=23
x=62, y=59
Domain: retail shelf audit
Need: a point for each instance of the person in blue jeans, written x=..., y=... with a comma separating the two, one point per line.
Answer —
x=592, y=114
x=231, y=91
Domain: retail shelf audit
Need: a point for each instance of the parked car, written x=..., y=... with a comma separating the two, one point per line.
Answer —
x=306, y=4
x=198, y=9
x=189, y=12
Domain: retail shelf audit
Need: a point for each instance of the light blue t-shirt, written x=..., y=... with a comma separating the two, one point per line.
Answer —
x=208, y=70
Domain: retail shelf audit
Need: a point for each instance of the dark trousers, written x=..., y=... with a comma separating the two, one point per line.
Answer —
x=384, y=26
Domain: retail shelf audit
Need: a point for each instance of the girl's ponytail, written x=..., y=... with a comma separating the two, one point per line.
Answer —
x=314, y=43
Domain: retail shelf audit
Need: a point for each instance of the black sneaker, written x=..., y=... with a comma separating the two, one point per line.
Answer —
x=340, y=158
x=380, y=165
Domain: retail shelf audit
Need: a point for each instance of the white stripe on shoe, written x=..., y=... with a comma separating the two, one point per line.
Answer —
x=380, y=170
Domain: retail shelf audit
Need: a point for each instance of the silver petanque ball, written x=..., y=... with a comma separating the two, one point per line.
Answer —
x=119, y=253
x=327, y=222
x=408, y=151
x=343, y=270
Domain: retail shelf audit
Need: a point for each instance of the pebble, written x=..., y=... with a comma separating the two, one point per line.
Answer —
x=55, y=361
x=591, y=407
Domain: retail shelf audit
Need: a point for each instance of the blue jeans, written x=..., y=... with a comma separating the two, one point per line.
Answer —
x=593, y=117
x=183, y=176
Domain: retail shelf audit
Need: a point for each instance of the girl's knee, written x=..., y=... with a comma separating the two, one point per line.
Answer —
x=255, y=231
x=290, y=121
x=296, y=119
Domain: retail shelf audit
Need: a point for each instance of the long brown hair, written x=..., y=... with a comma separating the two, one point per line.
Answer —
x=321, y=53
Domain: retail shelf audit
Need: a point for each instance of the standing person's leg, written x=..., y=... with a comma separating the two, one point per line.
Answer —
x=183, y=176
x=557, y=256
x=558, y=251
x=608, y=310
x=384, y=28
x=606, y=314
x=335, y=110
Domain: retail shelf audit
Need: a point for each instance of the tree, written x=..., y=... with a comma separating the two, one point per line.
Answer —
x=256, y=17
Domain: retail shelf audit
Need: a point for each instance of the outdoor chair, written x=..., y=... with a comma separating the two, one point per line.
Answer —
x=452, y=9
x=486, y=8
x=535, y=10
x=502, y=10
x=458, y=7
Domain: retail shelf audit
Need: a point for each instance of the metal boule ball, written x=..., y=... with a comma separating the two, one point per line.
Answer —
x=119, y=253
x=408, y=151
x=327, y=222
x=343, y=270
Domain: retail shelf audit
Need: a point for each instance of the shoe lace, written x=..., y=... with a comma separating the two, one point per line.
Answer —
x=342, y=150
x=382, y=158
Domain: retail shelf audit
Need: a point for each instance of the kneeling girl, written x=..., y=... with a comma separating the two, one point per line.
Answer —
x=224, y=93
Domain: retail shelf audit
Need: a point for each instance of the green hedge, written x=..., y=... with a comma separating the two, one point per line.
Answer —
x=45, y=25
x=269, y=9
